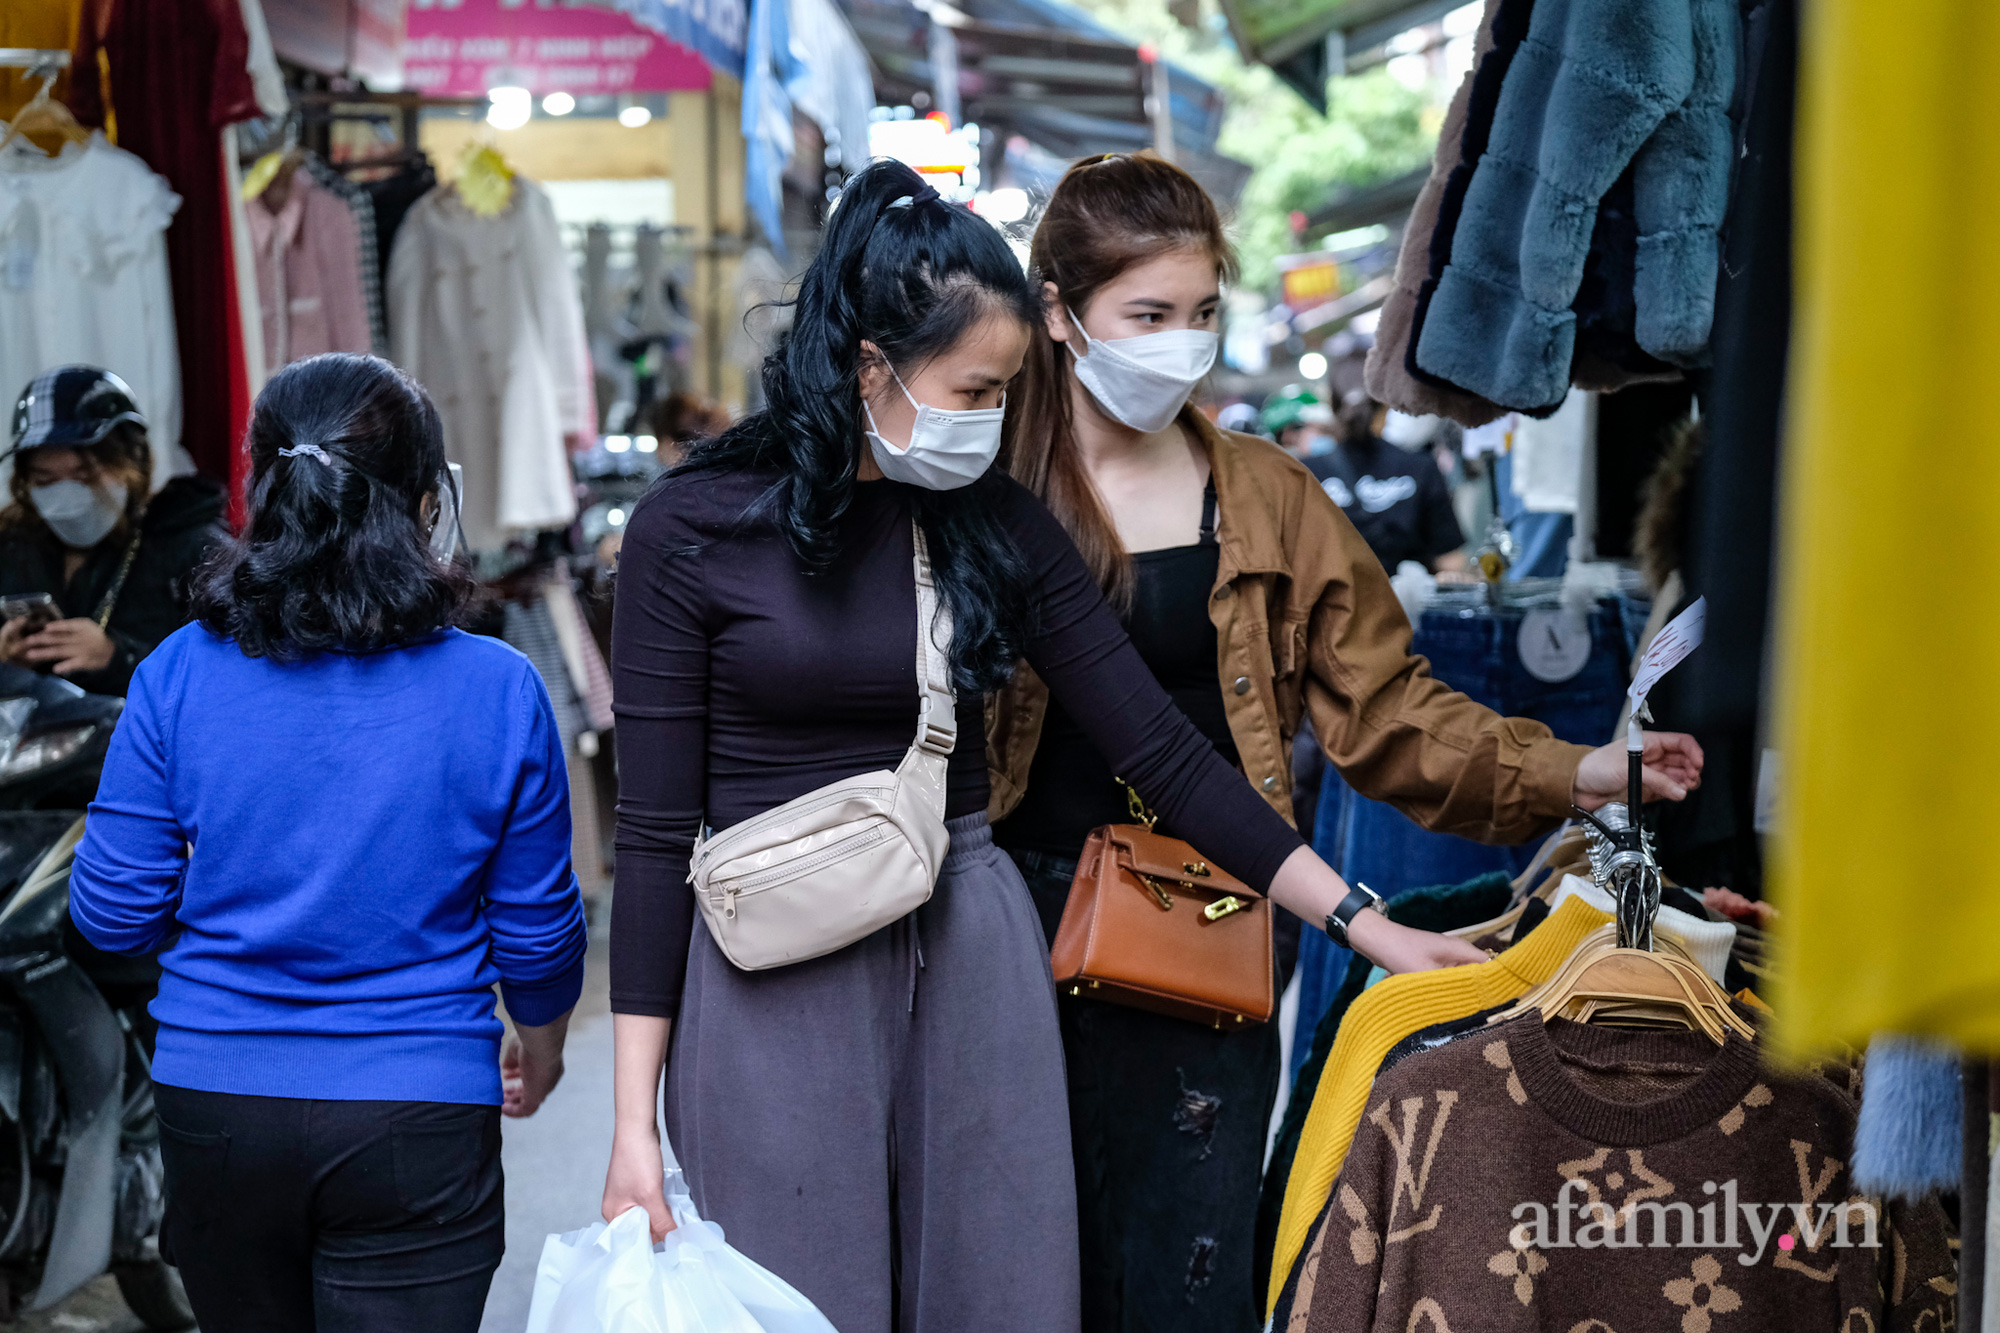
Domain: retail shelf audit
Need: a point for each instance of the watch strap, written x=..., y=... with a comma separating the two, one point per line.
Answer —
x=1358, y=900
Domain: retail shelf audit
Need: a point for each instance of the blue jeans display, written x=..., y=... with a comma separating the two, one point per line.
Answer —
x=1475, y=650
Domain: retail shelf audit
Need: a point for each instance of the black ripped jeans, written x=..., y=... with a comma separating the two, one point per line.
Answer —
x=1168, y=1119
x=331, y=1216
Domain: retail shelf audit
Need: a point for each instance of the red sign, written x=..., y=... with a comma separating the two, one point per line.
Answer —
x=462, y=48
x=375, y=52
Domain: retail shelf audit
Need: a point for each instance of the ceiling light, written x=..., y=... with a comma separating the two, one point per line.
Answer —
x=617, y=444
x=558, y=104
x=510, y=109
x=632, y=117
x=1006, y=204
x=1312, y=366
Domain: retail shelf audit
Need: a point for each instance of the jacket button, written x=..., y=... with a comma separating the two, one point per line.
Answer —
x=1242, y=685
x=1271, y=783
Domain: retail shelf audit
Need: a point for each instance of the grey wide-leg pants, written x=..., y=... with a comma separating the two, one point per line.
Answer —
x=887, y=1127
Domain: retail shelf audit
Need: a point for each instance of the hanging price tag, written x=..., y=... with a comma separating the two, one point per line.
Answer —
x=1681, y=637
x=485, y=181
x=17, y=265
x=262, y=172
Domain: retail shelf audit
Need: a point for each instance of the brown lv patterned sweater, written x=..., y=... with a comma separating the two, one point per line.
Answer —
x=1564, y=1178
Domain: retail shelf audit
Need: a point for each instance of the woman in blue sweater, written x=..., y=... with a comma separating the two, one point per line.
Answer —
x=340, y=822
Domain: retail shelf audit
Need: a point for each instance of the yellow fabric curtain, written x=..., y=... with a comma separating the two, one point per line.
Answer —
x=1887, y=859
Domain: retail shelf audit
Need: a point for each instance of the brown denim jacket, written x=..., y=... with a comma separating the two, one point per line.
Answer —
x=1305, y=620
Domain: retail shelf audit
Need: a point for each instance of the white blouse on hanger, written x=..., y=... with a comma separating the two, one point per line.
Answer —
x=485, y=313
x=83, y=279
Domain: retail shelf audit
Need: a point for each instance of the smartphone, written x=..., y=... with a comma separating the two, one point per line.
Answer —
x=37, y=608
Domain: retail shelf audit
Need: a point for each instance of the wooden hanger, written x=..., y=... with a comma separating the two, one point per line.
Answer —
x=1600, y=982
x=44, y=115
x=1561, y=853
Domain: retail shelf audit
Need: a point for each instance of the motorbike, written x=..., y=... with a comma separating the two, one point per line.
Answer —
x=81, y=1182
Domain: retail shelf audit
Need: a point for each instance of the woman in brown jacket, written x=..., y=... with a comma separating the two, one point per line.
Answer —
x=1255, y=603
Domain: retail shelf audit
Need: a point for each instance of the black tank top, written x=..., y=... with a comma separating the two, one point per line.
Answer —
x=1071, y=790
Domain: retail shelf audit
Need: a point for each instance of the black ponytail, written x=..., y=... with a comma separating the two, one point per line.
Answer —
x=910, y=273
x=343, y=451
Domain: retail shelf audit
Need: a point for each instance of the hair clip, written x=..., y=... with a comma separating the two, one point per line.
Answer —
x=923, y=196
x=311, y=449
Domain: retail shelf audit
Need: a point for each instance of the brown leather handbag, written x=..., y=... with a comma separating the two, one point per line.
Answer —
x=1152, y=925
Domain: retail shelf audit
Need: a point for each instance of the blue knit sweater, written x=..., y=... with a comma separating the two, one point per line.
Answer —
x=377, y=839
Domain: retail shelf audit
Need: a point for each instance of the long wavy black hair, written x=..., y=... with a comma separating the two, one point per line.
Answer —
x=336, y=553
x=912, y=274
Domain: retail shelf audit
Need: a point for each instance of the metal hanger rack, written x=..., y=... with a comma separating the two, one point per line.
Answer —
x=408, y=106
x=36, y=60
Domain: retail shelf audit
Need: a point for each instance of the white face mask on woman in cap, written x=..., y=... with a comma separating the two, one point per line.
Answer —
x=80, y=514
x=1143, y=382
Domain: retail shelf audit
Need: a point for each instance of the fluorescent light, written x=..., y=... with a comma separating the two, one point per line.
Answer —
x=510, y=109
x=558, y=104
x=617, y=444
x=646, y=444
x=632, y=117
x=1312, y=366
x=1004, y=205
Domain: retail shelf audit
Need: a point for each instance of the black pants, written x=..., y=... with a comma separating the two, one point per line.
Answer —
x=1168, y=1119
x=287, y=1215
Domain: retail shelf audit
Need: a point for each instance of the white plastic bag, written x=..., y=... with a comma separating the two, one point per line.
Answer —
x=612, y=1279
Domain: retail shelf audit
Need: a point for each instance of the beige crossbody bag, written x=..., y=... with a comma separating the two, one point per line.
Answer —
x=823, y=870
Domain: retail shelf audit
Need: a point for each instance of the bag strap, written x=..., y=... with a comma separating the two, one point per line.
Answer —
x=937, y=709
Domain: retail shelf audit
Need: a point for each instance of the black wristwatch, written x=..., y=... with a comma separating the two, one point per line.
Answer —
x=1358, y=900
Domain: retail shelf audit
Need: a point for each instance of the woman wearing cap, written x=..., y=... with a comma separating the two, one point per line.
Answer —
x=1256, y=604
x=85, y=529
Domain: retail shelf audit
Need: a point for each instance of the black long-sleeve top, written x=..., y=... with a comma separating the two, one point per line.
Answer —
x=741, y=682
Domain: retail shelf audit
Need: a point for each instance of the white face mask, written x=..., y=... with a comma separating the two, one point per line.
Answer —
x=80, y=515
x=1144, y=381
x=947, y=450
x=445, y=531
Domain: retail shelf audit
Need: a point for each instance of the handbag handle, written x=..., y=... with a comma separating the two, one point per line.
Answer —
x=1136, y=805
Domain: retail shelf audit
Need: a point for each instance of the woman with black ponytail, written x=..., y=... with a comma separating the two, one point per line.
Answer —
x=339, y=822
x=885, y=1125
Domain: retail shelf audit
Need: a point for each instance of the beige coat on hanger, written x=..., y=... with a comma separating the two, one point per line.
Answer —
x=485, y=313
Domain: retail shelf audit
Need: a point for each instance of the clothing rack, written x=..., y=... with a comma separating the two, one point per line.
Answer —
x=35, y=59
x=1623, y=864
x=409, y=106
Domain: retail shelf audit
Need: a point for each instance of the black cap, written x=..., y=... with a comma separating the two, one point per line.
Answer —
x=72, y=406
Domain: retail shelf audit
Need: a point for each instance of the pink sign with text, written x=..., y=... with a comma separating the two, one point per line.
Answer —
x=462, y=48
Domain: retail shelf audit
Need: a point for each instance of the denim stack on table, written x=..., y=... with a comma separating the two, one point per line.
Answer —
x=1569, y=672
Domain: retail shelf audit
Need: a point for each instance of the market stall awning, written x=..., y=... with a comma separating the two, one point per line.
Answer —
x=716, y=30
x=1299, y=38
x=1386, y=201
x=1051, y=73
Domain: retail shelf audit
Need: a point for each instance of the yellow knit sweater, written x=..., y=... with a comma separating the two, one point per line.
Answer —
x=1386, y=1013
